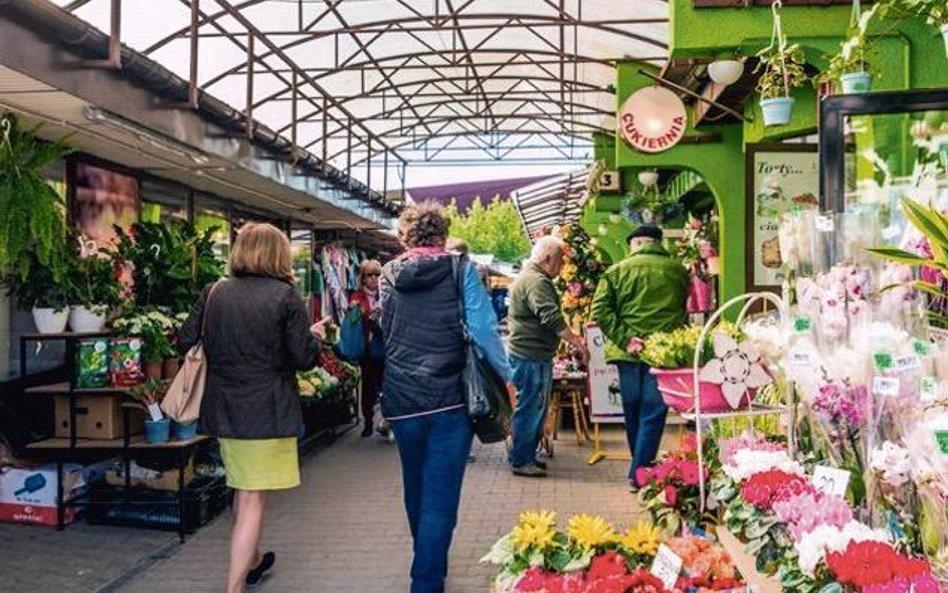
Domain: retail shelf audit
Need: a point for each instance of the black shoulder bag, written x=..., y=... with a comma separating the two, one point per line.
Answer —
x=485, y=393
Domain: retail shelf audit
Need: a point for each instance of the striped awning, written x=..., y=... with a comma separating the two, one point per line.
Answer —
x=552, y=201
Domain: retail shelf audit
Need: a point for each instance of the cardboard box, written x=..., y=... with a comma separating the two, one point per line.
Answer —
x=97, y=417
x=28, y=494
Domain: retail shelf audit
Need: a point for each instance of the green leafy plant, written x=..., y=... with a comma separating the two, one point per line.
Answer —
x=171, y=263
x=152, y=391
x=32, y=214
x=94, y=280
x=40, y=287
x=781, y=71
x=495, y=229
x=154, y=328
x=676, y=349
x=935, y=12
x=934, y=267
x=855, y=52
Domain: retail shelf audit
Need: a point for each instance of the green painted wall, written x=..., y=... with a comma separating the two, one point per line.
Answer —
x=910, y=55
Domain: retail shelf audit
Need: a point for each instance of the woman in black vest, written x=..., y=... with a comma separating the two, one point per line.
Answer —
x=422, y=395
x=256, y=335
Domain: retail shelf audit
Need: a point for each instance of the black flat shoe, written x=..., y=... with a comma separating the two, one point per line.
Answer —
x=367, y=432
x=256, y=575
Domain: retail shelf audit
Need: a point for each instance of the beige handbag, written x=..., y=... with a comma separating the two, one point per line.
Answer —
x=182, y=402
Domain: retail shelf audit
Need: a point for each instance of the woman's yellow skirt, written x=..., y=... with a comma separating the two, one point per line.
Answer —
x=265, y=464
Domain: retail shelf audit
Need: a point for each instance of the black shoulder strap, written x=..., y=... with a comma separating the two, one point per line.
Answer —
x=457, y=267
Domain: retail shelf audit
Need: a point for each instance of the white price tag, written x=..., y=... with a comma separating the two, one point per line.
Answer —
x=800, y=359
x=831, y=480
x=885, y=386
x=928, y=389
x=667, y=566
x=907, y=362
x=825, y=224
x=155, y=411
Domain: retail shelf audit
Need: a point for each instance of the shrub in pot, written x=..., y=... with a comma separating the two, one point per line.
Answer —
x=149, y=394
x=850, y=66
x=782, y=69
x=155, y=328
x=46, y=296
x=95, y=287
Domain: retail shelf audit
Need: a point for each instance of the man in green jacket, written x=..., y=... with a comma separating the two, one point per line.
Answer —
x=643, y=294
x=536, y=327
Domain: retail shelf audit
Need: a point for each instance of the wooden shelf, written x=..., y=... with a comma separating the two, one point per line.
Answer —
x=66, y=336
x=63, y=389
x=137, y=442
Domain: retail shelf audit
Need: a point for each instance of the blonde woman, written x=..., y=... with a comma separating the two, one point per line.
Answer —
x=373, y=362
x=256, y=334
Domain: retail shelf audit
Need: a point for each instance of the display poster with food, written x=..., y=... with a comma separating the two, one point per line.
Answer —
x=780, y=180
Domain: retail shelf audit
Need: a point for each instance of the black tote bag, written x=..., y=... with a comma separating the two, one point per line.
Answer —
x=485, y=393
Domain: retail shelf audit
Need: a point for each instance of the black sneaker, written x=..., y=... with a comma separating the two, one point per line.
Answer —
x=367, y=431
x=256, y=575
x=540, y=464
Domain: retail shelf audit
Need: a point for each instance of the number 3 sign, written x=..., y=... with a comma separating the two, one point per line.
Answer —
x=609, y=181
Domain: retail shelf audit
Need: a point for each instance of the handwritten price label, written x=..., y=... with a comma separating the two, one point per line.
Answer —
x=667, y=566
x=928, y=389
x=825, y=224
x=831, y=480
x=800, y=359
x=888, y=386
x=907, y=362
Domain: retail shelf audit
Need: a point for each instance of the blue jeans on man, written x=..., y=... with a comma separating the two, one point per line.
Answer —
x=534, y=382
x=433, y=450
x=644, y=412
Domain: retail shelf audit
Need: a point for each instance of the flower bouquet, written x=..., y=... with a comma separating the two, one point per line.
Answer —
x=670, y=491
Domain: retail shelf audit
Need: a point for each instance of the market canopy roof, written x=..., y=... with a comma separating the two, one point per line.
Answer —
x=387, y=82
x=552, y=201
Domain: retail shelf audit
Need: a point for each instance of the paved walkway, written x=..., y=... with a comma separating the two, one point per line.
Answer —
x=343, y=531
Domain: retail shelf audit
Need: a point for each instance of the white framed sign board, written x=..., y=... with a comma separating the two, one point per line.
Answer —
x=605, y=402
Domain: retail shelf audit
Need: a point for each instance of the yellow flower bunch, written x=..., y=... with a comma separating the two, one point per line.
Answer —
x=641, y=539
x=568, y=273
x=535, y=528
x=590, y=532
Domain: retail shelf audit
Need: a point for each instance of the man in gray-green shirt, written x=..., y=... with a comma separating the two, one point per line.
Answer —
x=536, y=328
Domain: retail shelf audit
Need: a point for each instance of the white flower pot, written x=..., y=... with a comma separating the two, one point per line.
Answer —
x=87, y=319
x=648, y=178
x=944, y=33
x=856, y=82
x=777, y=111
x=50, y=321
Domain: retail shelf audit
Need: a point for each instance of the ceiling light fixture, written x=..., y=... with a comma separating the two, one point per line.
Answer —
x=726, y=72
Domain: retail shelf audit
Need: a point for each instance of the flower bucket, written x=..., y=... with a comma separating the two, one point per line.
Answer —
x=157, y=431
x=183, y=432
x=777, y=111
x=50, y=321
x=87, y=319
x=677, y=389
x=856, y=82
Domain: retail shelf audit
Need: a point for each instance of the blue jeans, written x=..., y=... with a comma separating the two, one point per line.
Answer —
x=644, y=412
x=534, y=382
x=434, y=451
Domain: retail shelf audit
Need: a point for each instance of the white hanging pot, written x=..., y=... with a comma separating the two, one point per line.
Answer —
x=648, y=178
x=777, y=111
x=944, y=33
x=87, y=319
x=49, y=320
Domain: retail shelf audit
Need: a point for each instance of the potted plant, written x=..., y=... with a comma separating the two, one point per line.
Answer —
x=149, y=394
x=850, y=66
x=45, y=295
x=32, y=213
x=155, y=328
x=95, y=289
x=782, y=69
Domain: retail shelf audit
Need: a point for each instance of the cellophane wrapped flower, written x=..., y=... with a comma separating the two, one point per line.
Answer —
x=764, y=489
x=871, y=563
x=842, y=404
x=805, y=512
x=746, y=442
x=813, y=547
x=747, y=462
x=892, y=463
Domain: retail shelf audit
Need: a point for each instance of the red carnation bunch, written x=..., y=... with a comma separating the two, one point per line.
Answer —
x=869, y=563
x=764, y=489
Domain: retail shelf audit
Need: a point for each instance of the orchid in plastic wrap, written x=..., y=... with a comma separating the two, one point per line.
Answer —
x=893, y=463
x=736, y=368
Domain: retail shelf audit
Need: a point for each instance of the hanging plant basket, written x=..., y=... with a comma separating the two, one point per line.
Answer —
x=777, y=111
x=856, y=82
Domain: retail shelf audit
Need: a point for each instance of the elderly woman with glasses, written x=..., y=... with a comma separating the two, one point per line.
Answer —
x=373, y=362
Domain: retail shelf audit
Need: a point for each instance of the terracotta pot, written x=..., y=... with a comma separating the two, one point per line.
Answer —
x=153, y=370
x=169, y=368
